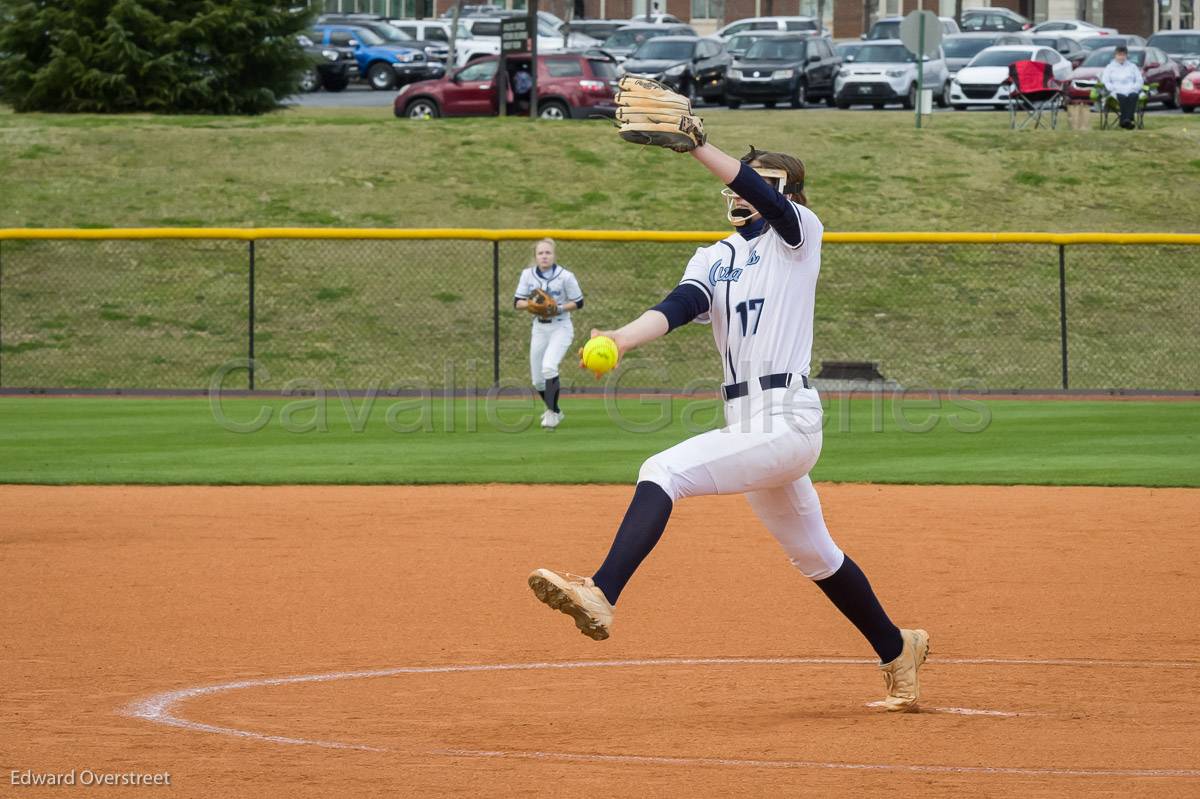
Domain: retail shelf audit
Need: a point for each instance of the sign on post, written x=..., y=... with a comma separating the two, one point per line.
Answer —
x=514, y=38
x=921, y=33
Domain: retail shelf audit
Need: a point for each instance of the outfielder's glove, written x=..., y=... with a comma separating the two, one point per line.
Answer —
x=541, y=304
x=650, y=113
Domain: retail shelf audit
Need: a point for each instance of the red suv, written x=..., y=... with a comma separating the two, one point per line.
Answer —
x=569, y=86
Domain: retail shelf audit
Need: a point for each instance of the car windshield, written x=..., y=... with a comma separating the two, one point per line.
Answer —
x=1176, y=42
x=664, y=51
x=883, y=54
x=965, y=48
x=631, y=38
x=848, y=50
x=885, y=30
x=775, y=49
x=1100, y=58
x=1000, y=58
x=1046, y=41
x=741, y=43
x=390, y=33
x=1092, y=42
x=366, y=36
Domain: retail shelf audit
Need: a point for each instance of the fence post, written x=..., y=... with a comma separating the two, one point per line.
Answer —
x=495, y=313
x=1, y=313
x=250, y=319
x=1062, y=309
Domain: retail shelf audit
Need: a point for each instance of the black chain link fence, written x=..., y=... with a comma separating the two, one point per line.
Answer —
x=437, y=313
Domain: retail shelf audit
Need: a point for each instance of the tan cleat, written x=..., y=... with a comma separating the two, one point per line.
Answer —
x=903, y=682
x=576, y=596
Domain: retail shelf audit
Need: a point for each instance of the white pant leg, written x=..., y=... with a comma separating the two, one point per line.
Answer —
x=760, y=451
x=539, y=340
x=792, y=513
x=559, y=341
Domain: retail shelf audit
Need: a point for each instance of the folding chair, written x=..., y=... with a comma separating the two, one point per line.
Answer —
x=1034, y=94
x=1110, y=109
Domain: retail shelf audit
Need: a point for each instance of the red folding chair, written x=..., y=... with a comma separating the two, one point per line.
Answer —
x=1034, y=94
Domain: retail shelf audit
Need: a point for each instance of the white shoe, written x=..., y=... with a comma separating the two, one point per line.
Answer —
x=901, y=675
x=546, y=418
x=576, y=596
x=551, y=420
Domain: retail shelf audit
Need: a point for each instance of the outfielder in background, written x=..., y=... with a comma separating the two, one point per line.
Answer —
x=757, y=289
x=549, y=292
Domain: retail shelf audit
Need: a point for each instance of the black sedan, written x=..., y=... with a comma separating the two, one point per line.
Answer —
x=793, y=69
x=690, y=65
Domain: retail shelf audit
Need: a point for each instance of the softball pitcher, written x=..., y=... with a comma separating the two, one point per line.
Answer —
x=549, y=292
x=757, y=289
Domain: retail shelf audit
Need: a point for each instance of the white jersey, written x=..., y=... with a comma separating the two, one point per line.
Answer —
x=560, y=283
x=762, y=293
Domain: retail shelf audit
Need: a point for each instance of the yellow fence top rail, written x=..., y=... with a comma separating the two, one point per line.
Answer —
x=484, y=234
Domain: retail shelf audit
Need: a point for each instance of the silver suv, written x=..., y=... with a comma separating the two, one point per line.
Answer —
x=884, y=72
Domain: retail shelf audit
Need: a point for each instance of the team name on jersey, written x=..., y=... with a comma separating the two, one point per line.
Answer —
x=723, y=274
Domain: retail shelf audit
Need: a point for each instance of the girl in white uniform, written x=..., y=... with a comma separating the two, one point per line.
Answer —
x=551, y=336
x=756, y=288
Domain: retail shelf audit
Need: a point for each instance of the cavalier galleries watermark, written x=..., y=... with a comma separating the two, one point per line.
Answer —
x=88, y=778
x=511, y=406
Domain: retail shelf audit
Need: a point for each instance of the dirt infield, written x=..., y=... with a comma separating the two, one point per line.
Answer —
x=146, y=629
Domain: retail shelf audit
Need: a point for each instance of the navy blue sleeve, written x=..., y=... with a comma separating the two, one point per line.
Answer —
x=774, y=207
x=682, y=305
x=578, y=304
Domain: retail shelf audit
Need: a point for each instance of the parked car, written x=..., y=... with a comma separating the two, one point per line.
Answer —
x=889, y=28
x=656, y=19
x=690, y=65
x=383, y=65
x=434, y=51
x=848, y=51
x=1157, y=67
x=1090, y=43
x=793, y=24
x=1072, y=29
x=1066, y=47
x=1182, y=45
x=994, y=19
x=331, y=69
x=472, y=10
x=599, y=29
x=984, y=81
x=790, y=68
x=1189, y=93
x=960, y=48
x=569, y=86
x=548, y=41
x=885, y=72
x=622, y=43
x=466, y=47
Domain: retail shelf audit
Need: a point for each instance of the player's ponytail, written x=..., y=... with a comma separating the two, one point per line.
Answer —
x=788, y=163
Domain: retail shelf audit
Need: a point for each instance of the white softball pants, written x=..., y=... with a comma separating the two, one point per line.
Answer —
x=548, y=343
x=770, y=443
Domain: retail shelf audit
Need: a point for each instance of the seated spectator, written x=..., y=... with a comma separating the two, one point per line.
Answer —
x=1123, y=79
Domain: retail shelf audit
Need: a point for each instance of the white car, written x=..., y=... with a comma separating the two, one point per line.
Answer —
x=548, y=40
x=1071, y=29
x=983, y=81
x=466, y=47
x=792, y=24
x=885, y=72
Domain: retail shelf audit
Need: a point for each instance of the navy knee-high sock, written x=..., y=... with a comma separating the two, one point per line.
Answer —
x=850, y=591
x=551, y=396
x=640, y=530
x=542, y=393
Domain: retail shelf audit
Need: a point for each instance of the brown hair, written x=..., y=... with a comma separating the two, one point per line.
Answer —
x=788, y=163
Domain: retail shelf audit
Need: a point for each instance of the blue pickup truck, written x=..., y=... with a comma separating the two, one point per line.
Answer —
x=384, y=65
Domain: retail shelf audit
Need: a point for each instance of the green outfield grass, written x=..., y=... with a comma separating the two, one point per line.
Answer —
x=356, y=167
x=181, y=441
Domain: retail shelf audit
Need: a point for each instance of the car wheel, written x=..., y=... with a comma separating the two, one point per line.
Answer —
x=1189, y=109
x=734, y=103
x=422, y=109
x=381, y=76
x=800, y=97
x=910, y=99
x=959, y=107
x=553, y=109
x=944, y=100
x=768, y=103
x=693, y=98
x=1173, y=100
x=842, y=104
x=831, y=101
x=310, y=81
x=335, y=84
x=877, y=106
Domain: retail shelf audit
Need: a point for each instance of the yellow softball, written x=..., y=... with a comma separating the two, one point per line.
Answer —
x=599, y=355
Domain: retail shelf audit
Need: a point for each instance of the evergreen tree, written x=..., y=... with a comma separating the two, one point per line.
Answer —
x=169, y=56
